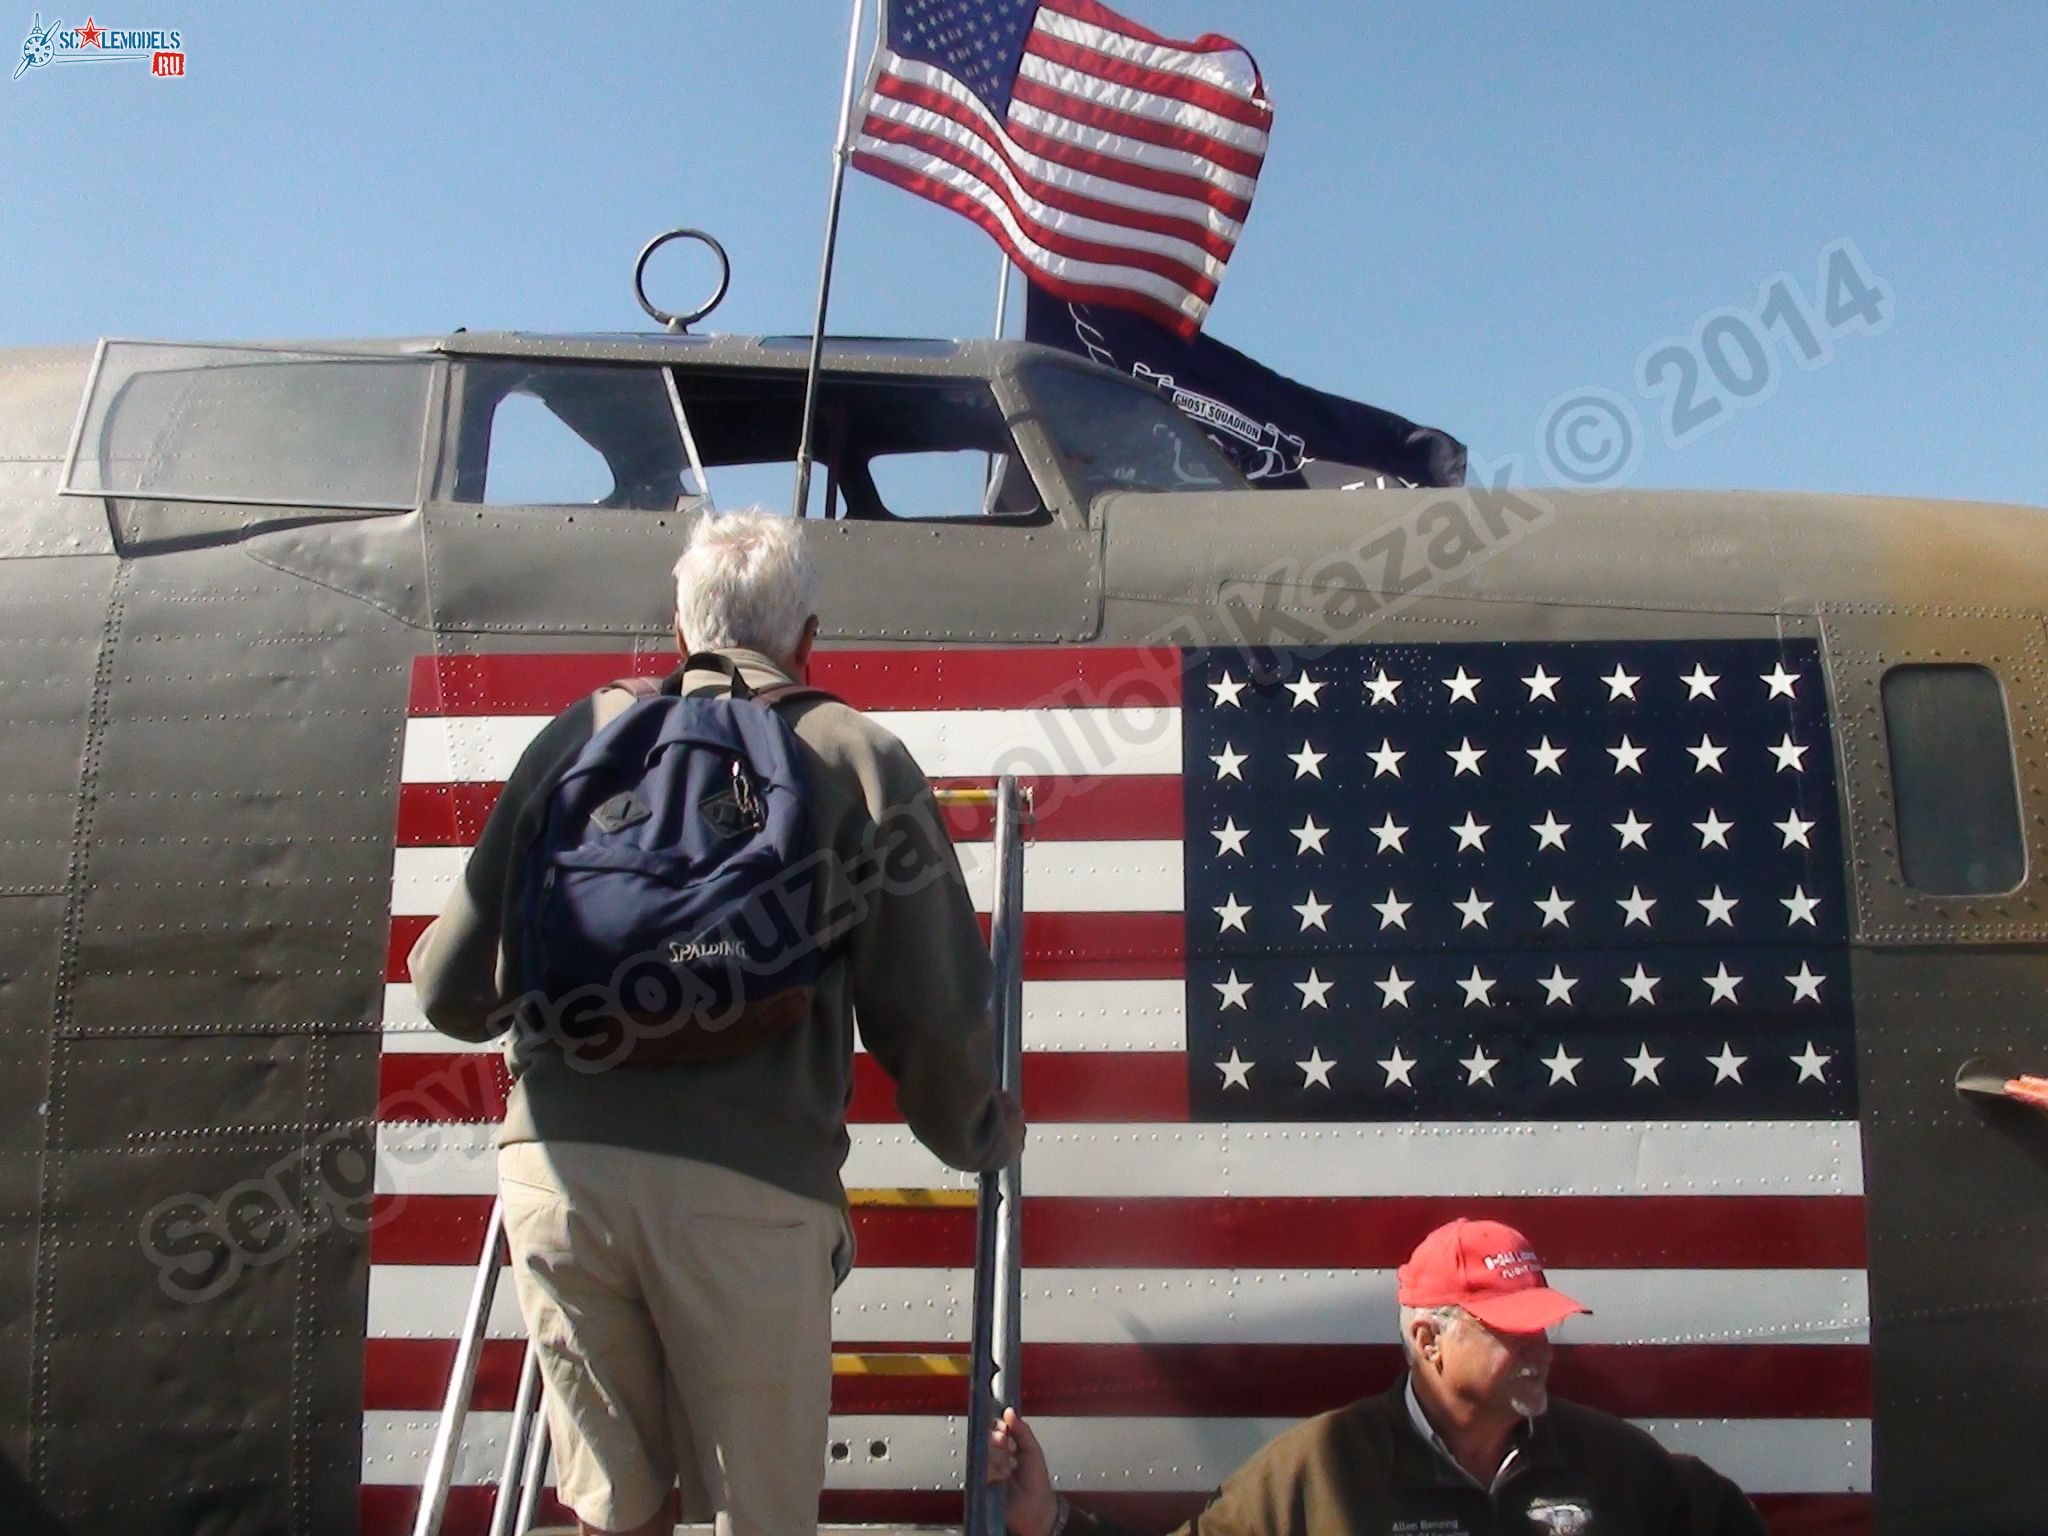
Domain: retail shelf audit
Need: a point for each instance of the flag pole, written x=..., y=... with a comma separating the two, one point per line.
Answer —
x=841, y=151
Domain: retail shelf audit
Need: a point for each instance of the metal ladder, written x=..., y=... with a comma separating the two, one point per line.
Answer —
x=992, y=1360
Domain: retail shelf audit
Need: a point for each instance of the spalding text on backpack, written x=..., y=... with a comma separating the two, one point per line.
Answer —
x=668, y=894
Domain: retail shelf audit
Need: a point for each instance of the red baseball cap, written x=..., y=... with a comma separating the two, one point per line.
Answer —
x=1489, y=1269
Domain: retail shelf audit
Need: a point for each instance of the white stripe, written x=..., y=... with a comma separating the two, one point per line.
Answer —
x=1452, y=1160
x=1154, y=108
x=1112, y=146
x=1252, y=1305
x=1132, y=876
x=1153, y=157
x=947, y=743
x=1231, y=70
x=1043, y=216
x=1065, y=268
x=1159, y=1454
x=1101, y=188
x=1058, y=1016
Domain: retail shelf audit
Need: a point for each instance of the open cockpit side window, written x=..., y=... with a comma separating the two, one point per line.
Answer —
x=567, y=434
x=546, y=432
x=883, y=448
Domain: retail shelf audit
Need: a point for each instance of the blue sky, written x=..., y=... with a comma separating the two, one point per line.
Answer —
x=1469, y=214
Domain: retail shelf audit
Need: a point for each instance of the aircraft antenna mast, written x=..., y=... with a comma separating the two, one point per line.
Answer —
x=841, y=152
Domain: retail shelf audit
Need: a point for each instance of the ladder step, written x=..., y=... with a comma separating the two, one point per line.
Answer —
x=895, y=1363
x=917, y=1199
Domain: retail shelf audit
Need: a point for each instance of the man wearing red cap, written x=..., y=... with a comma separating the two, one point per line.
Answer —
x=1468, y=1441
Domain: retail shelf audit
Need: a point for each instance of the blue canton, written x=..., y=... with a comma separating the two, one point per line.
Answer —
x=978, y=42
x=1523, y=881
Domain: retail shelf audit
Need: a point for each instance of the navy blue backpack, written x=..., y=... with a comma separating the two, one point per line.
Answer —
x=668, y=898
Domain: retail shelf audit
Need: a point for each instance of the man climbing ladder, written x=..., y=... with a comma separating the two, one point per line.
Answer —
x=669, y=1184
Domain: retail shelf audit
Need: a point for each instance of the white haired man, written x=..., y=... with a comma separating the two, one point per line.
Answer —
x=1468, y=1441
x=677, y=1231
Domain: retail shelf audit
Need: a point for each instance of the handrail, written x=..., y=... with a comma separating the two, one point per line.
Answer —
x=461, y=1381
x=998, y=1223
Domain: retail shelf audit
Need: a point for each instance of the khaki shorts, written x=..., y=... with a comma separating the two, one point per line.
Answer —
x=683, y=1314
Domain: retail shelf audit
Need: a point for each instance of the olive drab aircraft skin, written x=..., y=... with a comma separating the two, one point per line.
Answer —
x=224, y=569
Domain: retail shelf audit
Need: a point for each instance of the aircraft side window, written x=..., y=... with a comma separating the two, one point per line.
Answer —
x=1954, y=783
x=535, y=459
x=262, y=426
x=1115, y=436
x=542, y=433
x=944, y=482
x=885, y=449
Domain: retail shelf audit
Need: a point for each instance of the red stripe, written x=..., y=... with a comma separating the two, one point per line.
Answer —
x=405, y=932
x=1121, y=71
x=1118, y=807
x=1060, y=198
x=1787, y=1514
x=1101, y=946
x=1145, y=1087
x=1129, y=126
x=1815, y=1514
x=1682, y=1381
x=1101, y=16
x=1058, y=946
x=1112, y=807
x=442, y=1087
x=387, y=1510
x=1141, y=1086
x=1048, y=677
x=1078, y=293
x=444, y=815
x=1030, y=141
x=1106, y=252
x=1219, y=1232
x=1131, y=173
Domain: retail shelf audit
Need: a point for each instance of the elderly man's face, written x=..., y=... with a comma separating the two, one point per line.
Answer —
x=1496, y=1374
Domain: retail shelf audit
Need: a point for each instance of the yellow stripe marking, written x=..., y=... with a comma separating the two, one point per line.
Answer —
x=902, y=1365
x=913, y=1199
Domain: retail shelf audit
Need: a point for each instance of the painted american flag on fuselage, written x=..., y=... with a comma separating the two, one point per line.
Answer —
x=1224, y=1169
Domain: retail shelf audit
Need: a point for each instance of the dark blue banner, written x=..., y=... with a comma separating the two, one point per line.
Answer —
x=1269, y=425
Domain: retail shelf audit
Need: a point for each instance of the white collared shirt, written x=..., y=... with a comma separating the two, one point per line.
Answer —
x=1435, y=1442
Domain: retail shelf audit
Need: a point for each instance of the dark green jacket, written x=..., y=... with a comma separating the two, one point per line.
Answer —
x=1363, y=1471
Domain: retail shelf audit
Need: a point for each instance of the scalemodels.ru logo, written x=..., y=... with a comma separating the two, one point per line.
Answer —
x=162, y=50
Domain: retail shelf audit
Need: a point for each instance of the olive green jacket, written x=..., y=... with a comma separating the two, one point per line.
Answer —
x=904, y=959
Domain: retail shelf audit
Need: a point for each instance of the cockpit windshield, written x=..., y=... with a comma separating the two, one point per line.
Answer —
x=1114, y=436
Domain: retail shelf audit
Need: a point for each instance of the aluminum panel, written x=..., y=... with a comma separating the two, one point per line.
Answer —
x=1863, y=644
x=29, y=928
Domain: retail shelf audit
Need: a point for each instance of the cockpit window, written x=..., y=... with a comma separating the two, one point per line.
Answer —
x=1114, y=436
x=567, y=434
x=252, y=426
x=883, y=448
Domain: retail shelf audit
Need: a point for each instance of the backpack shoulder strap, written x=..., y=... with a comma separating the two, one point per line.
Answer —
x=620, y=695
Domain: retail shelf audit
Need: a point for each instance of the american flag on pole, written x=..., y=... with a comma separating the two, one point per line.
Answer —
x=1320, y=950
x=1114, y=165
